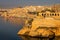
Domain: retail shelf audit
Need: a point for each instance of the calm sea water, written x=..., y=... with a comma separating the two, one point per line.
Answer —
x=9, y=28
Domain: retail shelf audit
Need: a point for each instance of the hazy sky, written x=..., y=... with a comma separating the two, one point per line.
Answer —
x=17, y=3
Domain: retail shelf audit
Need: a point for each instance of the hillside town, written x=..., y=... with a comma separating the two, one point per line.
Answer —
x=32, y=11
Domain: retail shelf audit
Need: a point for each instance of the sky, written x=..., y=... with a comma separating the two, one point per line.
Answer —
x=21, y=3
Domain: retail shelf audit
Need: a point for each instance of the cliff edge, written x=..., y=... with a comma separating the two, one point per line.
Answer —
x=46, y=27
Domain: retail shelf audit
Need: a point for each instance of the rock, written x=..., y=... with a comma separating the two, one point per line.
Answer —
x=24, y=31
x=33, y=34
x=57, y=32
x=42, y=33
x=45, y=27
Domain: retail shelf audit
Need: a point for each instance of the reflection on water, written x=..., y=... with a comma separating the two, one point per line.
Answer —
x=30, y=38
x=9, y=28
x=16, y=21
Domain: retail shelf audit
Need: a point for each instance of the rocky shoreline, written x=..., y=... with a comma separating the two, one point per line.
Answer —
x=46, y=27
